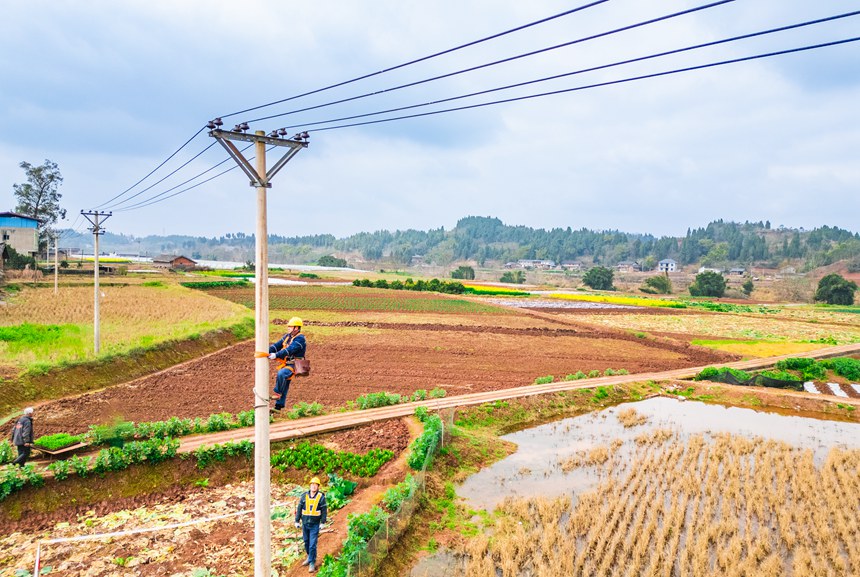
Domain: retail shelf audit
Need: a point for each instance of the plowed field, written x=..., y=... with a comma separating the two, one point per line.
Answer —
x=376, y=356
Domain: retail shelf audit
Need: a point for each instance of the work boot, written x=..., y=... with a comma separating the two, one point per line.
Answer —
x=306, y=562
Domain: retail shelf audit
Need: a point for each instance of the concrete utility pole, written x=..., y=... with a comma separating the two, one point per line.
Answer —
x=93, y=217
x=261, y=180
x=56, y=263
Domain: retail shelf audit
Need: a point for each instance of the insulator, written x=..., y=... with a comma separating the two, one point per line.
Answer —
x=210, y=125
x=243, y=126
x=273, y=134
x=218, y=122
x=297, y=136
x=282, y=132
x=237, y=128
x=305, y=135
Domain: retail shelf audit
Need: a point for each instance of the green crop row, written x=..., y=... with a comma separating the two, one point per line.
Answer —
x=215, y=284
x=118, y=433
x=422, y=448
x=796, y=369
x=434, y=285
x=317, y=458
x=360, y=529
x=111, y=459
x=395, y=496
x=385, y=399
x=208, y=454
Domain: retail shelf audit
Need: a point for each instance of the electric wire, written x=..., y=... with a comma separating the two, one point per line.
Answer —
x=503, y=60
x=580, y=71
x=598, y=85
x=156, y=183
x=151, y=172
x=161, y=198
x=422, y=59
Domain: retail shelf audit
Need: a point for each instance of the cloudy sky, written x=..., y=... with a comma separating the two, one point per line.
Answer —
x=109, y=89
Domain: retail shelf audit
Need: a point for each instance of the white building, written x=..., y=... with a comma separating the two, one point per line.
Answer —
x=667, y=265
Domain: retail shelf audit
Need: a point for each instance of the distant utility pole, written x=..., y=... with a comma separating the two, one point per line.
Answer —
x=56, y=263
x=261, y=180
x=96, y=218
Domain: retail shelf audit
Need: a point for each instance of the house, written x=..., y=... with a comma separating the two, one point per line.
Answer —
x=20, y=232
x=738, y=270
x=708, y=269
x=667, y=265
x=173, y=261
x=417, y=259
x=628, y=266
x=528, y=263
x=571, y=265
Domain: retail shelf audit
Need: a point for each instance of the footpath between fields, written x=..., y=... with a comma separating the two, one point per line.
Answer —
x=287, y=430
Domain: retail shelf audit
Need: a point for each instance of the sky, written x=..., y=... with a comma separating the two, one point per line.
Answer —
x=108, y=90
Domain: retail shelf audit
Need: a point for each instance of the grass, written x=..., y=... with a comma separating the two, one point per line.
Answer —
x=41, y=330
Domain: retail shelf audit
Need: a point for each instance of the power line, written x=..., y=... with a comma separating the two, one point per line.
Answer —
x=151, y=172
x=598, y=85
x=422, y=59
x=156, y=183
x=580, y=71
x=161, y=198
x=503, y=60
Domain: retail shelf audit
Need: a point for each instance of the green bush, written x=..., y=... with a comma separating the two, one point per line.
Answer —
x=437, y=393
x=338, y=491
x=16, y=478
x=780, y=375
x=374, y=400
x=795, y=364
x=844, y=367
x=711, y=372
x=208, y=454
x=513, y=277
x=422, y=413
x=305, y=410
x=578, y=375
x=419, y=395
x=57, y=441
x=219, y=422
x=423, y=447
x=60, y=469
x=117, y=459
x=80, y=465
x=544, y=380
x=7, y=453
x=395, y=496
x=593, y=374
x=599, y=278
x=708, y=284
x=215, y=284
x=360, y=529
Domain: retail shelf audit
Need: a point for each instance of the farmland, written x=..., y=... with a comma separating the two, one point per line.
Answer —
x=366, y=340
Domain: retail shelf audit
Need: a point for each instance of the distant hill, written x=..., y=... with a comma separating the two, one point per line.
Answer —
x=487, y=241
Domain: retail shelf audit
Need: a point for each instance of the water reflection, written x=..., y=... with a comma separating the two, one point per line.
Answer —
x=534, y=469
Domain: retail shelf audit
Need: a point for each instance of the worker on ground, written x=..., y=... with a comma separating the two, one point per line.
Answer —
x=291, y=346
x=22, y=437
x=311, y=512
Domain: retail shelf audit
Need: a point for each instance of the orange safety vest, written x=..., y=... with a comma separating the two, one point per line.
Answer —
x=312, y=505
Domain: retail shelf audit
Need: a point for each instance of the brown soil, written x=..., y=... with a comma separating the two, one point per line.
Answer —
x=394, y=357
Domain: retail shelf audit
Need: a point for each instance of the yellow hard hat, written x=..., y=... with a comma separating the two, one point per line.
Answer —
x=315, y=480
x=294, y=322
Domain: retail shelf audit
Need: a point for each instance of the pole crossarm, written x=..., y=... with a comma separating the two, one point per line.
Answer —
x=225, y=138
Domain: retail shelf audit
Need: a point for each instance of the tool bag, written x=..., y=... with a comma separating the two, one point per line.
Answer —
x=303, y=367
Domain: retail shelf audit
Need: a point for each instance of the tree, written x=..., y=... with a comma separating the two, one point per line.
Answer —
x=834, y=289
x=331, y=260
x=464, y=272
x=38, y=197
x=659, y=284
x=515, y=277
x=708, y=284
x=748, y=287
x=599, y=278
x=16, y=261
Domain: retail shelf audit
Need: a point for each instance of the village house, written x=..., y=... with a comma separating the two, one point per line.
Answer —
x=709, y=269
x=628, y=266
x=170, y=261
x=20, y=232
x=667, y=265
x=738, y=271
x=571, y=265
x=536, y=263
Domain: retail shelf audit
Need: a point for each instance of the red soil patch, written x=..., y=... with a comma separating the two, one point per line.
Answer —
x=396, y=357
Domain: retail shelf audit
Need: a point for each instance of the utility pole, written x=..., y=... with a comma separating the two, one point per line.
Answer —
x=93, y=217
x=56, y=263
x=261, y=180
